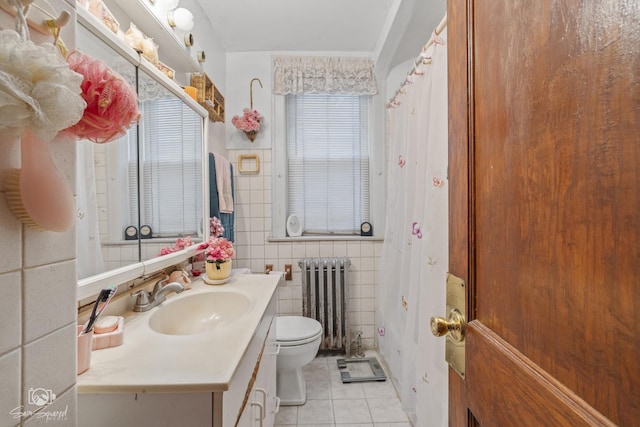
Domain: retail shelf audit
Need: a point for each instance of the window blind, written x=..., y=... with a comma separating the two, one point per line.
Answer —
x=328, y=161
x=170, y=169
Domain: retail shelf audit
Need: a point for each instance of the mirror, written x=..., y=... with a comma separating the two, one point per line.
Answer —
x=101, y=177
x=170, y=168
x=138, y=194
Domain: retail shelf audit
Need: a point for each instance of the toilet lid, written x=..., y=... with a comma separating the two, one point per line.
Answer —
x=296, y=328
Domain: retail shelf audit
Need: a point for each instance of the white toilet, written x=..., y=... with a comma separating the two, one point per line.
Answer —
x=299, y=339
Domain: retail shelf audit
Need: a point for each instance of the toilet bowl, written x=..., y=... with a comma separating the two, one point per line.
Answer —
x=299, y=340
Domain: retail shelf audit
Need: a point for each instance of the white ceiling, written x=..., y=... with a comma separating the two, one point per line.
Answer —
x=392, y=29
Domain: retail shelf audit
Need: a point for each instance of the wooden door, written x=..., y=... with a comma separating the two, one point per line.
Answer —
x=544, y=169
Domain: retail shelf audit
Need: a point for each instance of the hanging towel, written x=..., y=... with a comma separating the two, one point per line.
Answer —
x=223, y=180
x=227, y=219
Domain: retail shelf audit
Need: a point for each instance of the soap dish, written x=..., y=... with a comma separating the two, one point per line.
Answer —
x=110, y=339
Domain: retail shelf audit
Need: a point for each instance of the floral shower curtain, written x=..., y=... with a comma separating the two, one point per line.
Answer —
x=90, y=260
x=414, y=256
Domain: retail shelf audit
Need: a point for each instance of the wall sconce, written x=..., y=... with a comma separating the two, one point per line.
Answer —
x=201, y=56
x=181, y=19
x=188, y=39
x=166, y=4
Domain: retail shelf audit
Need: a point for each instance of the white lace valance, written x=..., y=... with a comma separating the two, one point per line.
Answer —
x=319, y=74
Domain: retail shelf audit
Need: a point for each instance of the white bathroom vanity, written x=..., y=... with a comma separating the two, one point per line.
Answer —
x=222, y=374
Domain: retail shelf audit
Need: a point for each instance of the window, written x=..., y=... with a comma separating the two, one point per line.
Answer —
x=169, y=169
x=328, y=161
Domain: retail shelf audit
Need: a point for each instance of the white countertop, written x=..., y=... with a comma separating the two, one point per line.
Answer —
x=148, y=361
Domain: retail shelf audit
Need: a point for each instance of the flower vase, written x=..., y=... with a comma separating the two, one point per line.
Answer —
x=251, y=134
x=217, y=272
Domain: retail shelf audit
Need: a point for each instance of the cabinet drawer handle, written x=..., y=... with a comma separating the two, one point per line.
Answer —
x=277, y=409
x=264, y=395
x=259, y=405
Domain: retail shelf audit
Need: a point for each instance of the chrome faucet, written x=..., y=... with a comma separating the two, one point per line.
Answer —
x=147, y=300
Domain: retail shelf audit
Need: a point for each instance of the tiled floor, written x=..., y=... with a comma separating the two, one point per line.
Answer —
x=332, y=403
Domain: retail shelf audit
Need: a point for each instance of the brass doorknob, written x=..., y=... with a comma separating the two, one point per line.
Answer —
x=454, y=326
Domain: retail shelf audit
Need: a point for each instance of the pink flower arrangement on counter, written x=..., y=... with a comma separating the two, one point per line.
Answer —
x=217, y=249
x=249, y=121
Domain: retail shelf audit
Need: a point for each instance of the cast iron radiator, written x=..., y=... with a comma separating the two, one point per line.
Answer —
x=325, y=293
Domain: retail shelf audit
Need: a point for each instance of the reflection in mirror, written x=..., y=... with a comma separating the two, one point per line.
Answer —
x=138, y=194
x=103, y=174
x=170, y=168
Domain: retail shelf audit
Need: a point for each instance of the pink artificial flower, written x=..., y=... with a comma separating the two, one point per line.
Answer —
x=217, y=249
x=249, y=121
x=181, y=243
x=215, y=227
x=166, y=251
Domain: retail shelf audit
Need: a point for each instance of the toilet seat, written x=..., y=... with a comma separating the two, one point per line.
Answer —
x=297, y=330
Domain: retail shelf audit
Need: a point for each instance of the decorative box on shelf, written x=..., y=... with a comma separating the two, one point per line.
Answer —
x=166, y=70
x=100, y=10
x=209, y=96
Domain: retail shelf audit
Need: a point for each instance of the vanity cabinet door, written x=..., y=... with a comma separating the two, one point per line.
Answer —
x=265, y=388
x=262, y=406
x=235, y=410
x=144, y=409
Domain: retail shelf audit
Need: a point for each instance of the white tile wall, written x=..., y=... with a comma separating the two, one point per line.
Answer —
x=37, y=295
x=48, y=301
x=253, y=227
x=46, y=248
x=48, y=365
x=9, y=387
x=37, y=313
x=10, y=311
x=11, y=248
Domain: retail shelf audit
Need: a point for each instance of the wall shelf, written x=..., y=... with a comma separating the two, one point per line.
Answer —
x=96, y=26
x=209, y=96
x=172, y=50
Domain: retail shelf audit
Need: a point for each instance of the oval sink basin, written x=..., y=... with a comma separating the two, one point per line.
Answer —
x=198, y=313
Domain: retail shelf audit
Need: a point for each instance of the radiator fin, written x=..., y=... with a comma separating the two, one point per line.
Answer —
x=325, y=293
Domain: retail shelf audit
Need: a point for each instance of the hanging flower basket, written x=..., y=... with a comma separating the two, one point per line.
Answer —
x=251, y=134
x=249, y=123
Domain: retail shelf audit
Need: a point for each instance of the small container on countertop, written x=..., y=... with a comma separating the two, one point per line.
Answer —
x=84, y=350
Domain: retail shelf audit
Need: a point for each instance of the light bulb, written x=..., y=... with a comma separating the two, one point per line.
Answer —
x=171, y=4
x=181, y=18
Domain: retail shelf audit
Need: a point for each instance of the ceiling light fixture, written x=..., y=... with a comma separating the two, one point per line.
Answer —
x=181, y=19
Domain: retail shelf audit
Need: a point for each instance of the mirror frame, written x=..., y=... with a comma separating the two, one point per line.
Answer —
x=90, y=286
